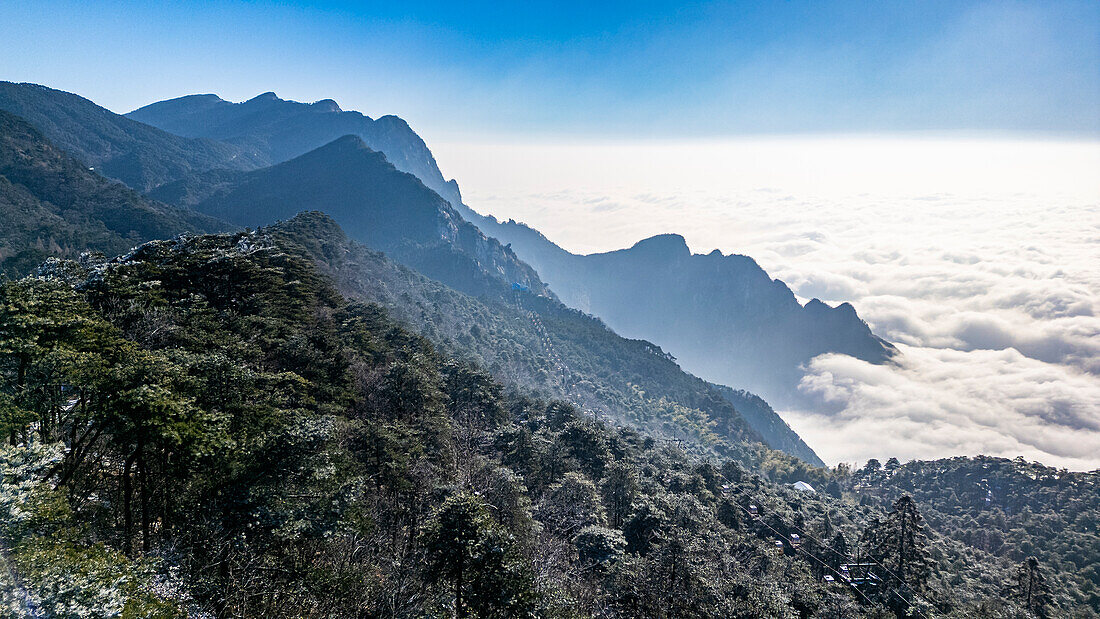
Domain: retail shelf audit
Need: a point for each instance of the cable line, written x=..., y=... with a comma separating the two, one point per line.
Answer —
x=804, y=534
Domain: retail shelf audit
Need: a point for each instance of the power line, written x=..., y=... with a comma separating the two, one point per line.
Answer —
x=802, y=550
x=873, y=560
x=899, y=596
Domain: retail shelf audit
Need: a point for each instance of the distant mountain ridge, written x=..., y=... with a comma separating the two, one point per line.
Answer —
x=52, y=205
x=277, y=130
x=722, y=316
x=378, y=205
x=137, y=154
x=267, y=128
x=539, y=343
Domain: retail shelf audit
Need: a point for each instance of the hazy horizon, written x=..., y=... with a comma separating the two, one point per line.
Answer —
x=274, y=357
x=977, y=257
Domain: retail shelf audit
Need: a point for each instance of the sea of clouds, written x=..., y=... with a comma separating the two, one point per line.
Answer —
x=979, y=259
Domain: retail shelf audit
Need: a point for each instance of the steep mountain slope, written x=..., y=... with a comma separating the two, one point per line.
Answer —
x=348, y=181
x=531, y=341
x=52, y=205
x=117, y=147
x=277, y=130
x=760, y=415
x=722, y=316
x=236, y=439
x=389, y=210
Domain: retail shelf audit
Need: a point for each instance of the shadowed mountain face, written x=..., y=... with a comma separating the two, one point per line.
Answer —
x=776, y=433
x=276, y=130
x=721, y=316
x=117, y=147
x=52, y=205
x=378, y=205
x=55, y=205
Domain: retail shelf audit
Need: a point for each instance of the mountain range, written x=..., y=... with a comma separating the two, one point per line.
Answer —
x=135, y=153
x=275, y=130
x=722, y=316
x=375, y=203
x=494, y=299
x=53, y=205
x=251, y=375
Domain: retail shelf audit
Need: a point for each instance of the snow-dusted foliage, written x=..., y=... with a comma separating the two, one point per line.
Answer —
x=43, y=573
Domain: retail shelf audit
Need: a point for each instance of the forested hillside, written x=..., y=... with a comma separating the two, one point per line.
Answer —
x=58, y=207
x=770, y=425
x=1007, y=508
x=52, y=205
x=207, y=426
x=722, y=316
x=117, y=147
x=539, y=344
x=285, y=422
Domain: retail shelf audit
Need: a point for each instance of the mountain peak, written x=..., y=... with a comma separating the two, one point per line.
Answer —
x=664, y=245
x=263, y=98
x=326, y=105
x=202, y=98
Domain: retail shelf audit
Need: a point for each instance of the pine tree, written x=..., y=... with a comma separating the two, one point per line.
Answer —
x=1029, y=588
x=620, y=488
x=899, y=545
x=465, y=549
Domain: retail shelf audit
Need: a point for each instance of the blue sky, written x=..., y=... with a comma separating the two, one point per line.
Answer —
x=622, y=69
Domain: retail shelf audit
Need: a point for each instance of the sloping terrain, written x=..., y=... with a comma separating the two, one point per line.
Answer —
x=254, y=444
x=277, y=130
x=722, y=316
x=531, y=341
x=284, y=423
x=389, y=210
x=52, y=205
x=117, y=147
x=776, y=433
x=378, y=205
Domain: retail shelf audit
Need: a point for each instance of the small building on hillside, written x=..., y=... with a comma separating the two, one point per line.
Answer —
x=802, y=486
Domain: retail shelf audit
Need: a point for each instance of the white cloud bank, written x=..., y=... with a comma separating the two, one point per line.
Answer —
x=979, y=258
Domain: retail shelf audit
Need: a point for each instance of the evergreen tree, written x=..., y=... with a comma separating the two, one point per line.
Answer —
x=892, y=465
x=899, y=545
x=477, y=560
x=1029, y=588
x=620, y=487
